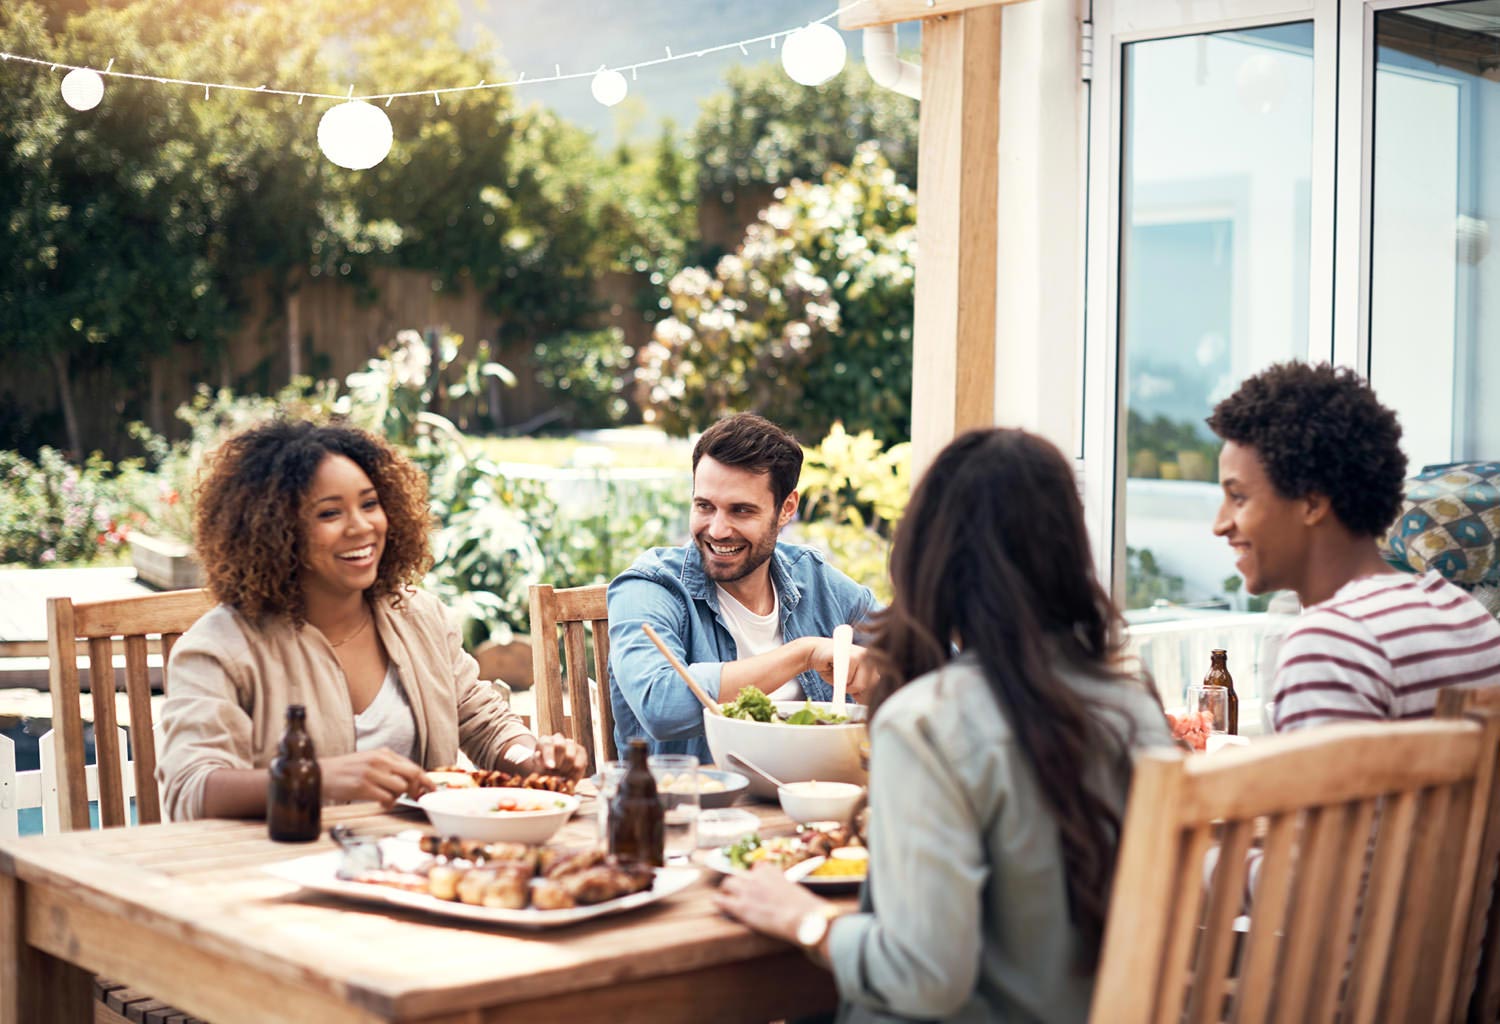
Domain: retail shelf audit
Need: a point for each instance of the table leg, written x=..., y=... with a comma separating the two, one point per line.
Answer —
x=34, y=986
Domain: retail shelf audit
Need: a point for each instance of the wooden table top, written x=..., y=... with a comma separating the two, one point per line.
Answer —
x=183, y=911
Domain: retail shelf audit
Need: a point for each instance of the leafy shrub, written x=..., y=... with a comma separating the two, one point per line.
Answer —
x=808, y=323
x=854, y=491
x=52, y=511
x=589, y=372
x=1147, y=584
x=1171, y=449
x=500, y=534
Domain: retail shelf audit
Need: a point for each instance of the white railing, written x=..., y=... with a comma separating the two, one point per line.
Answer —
x=21, y=791
x=1175, y=652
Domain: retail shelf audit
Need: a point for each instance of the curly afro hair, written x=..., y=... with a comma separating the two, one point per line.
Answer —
x=1318, y=429
x=248, y=525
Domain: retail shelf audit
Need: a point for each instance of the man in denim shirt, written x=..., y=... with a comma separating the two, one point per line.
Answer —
x=737, y=606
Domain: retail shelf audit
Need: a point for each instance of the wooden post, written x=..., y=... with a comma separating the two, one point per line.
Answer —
x=294, y=332
x=953, y=377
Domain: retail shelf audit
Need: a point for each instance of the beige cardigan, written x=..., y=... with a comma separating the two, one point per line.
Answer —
x=230, y=681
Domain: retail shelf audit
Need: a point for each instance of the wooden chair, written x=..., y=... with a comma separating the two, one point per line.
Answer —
x=1481, y=964
x=1339, y=926
x=131, y=620
x=588, y=719
x=100, y=623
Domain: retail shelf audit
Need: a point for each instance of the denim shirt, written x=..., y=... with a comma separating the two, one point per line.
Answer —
x=667, y=588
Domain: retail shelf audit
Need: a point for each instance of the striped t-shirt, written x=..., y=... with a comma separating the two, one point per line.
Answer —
x=1380, y=648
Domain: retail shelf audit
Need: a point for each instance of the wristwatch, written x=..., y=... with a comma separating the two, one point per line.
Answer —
x=812, y=929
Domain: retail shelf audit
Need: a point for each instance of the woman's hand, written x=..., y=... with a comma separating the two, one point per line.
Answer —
x=764, y=900
x=558, y=755
x=381, y=775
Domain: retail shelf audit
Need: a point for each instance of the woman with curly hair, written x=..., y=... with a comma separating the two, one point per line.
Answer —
x=1002, y=732
x=312, y=540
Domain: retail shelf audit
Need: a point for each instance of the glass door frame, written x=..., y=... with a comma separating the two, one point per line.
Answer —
x=1118, y=23
x=1355, y=178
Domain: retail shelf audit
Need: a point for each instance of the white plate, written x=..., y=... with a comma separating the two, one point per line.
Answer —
x=320, y=872
x=718, y=860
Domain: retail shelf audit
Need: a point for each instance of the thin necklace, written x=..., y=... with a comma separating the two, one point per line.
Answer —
x=357, y=632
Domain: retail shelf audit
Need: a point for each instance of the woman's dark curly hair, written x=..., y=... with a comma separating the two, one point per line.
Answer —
x=1321, y=430
x=248, y=527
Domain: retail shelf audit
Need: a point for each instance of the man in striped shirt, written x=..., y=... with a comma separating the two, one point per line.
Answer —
x=1312, y=474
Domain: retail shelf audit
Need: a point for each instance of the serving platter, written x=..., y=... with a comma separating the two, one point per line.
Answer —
x=319, y=872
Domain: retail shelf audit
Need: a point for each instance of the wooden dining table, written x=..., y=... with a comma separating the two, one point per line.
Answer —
x=185, y=913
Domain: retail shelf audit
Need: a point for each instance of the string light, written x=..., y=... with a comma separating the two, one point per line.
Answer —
x=609, y=87
x=817, y=53
x=82, y=89
x=813, y=55
x=355, y=135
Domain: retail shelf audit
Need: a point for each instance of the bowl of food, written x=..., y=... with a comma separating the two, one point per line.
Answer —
x=819, y=801
x=498, y=814
x=795, y=741
x=716, y=788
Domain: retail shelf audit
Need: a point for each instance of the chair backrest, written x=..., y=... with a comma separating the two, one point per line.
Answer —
x=1481, y=963
x=130, y=620
x=1358, y=908
x=588, y=720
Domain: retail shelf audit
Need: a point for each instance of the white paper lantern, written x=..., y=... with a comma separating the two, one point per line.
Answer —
x=82, y=89
x=609, y=87
x=814, y=54
x=355, y=135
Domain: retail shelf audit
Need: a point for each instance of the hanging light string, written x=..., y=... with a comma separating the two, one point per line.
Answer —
x=558, y=76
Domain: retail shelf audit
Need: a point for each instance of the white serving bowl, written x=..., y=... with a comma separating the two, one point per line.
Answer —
x=792, y=753
x=819, y=801
x=471, y=814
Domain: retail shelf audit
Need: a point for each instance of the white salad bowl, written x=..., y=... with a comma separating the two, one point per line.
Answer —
x=471, y=813
x=792, y=753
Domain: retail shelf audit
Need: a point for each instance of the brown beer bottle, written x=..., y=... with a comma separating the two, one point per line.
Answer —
x=637, y=828
x=1218, y=675
x=294, y=794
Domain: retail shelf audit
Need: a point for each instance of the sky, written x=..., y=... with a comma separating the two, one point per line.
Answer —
x=535, y=35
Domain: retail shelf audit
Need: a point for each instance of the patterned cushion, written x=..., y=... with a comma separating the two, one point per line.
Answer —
x=1450, y=521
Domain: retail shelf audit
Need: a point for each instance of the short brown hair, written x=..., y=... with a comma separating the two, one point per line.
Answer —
x=248, y=530
x=754, y=443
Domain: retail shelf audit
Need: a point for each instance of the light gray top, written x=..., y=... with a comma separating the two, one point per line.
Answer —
x=970, y=917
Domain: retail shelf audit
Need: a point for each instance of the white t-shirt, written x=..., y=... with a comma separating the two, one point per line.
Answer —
x=756, y=634
x=388, y=721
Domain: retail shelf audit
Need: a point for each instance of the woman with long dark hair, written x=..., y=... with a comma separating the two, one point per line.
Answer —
x=312, y=540
x=1003, y=725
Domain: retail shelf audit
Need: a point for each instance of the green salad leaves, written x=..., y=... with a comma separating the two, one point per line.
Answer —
x=755, y=706
x=810, y=715
x=742, y=849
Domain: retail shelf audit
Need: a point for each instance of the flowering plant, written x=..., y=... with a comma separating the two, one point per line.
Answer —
x=52, y=511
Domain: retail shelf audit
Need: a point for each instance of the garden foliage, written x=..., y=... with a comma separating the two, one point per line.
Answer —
x=808, y=323
x=854, y=491
x=52, y=511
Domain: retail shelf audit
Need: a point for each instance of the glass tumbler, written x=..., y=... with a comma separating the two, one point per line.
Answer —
x=610, y=774
x=677, y=785
x=1215, y=701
